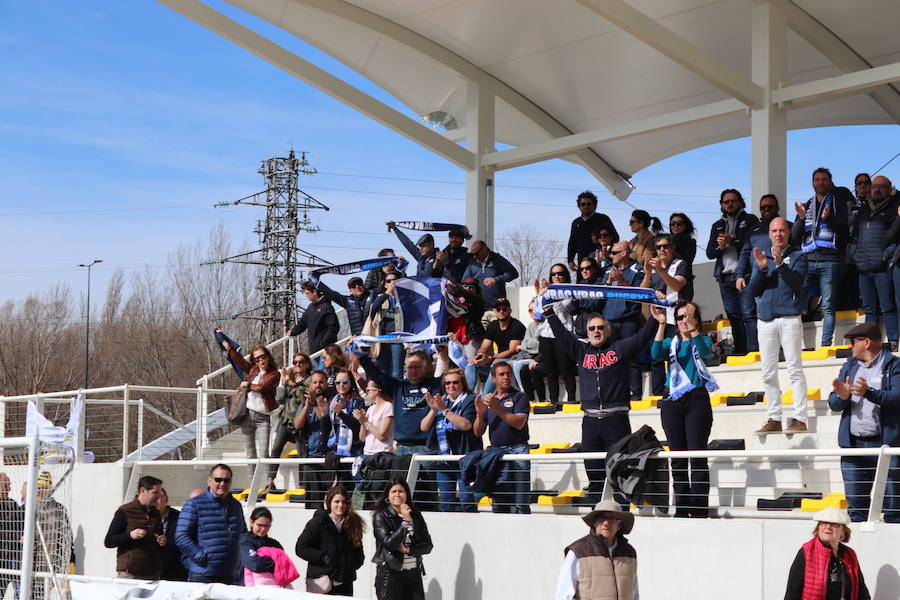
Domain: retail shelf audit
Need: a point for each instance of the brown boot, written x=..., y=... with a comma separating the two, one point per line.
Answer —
x=771, y=426
x=796, y=426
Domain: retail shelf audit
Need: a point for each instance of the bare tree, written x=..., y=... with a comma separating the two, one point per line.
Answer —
x=530, y=251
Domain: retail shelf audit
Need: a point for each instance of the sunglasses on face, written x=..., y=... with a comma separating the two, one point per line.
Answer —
x=301, y=362
x=633, y=221
x=585, y=204
x=260, y=357
x=676, y=223
x=557, y=274
x=663, y=246
x=222, y=479
x=342, y=382
x=356, y=285
x=768, y=207
x=595, y=328
x=680, y=317
x=863, y=183
x=587, y=268
x=614, y=252
x=603, y=235
x=453, y=382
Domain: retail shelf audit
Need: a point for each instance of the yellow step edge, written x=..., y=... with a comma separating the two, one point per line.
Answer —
x=835, y=499
x=813, y=394
x=485, y=501
x=644, y=403
x=292, y=453
x=284, y=497
x=562, y=499
x=571, y=408
x=847, y=315
x=819, y=354
x=722, y=324
x=746, y=359
x=546, y=448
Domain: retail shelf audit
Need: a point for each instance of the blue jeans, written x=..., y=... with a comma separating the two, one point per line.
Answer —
x=858, y=473
x=513, y=488
x=448, y=481
x=825, y=273
x=517, y=366
x=741, y=310
x=876, y=291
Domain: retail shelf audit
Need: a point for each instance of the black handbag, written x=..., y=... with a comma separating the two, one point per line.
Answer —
x=236, y=406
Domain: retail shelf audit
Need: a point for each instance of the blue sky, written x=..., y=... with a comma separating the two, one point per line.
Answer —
x=122, y=123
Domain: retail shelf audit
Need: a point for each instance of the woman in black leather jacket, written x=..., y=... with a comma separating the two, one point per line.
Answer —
x=401, y=539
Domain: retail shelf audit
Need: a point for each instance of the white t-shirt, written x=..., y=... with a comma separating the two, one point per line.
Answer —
x=255, y=400
x=375, y=416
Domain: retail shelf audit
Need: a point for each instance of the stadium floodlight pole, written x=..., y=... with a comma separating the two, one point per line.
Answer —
x=87, y=330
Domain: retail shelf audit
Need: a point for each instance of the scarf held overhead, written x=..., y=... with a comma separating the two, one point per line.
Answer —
x=583, y=291
x=353, y=267
x=428, y=226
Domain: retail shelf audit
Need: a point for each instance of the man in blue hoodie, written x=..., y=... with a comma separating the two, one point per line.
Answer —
x=209, y=530
x=777, y=285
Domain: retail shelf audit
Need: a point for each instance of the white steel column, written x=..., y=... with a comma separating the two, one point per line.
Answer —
x=480, y=180
x=768, y=125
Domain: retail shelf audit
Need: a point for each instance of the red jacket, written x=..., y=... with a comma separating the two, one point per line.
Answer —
x=268, y=383
x=818, y=557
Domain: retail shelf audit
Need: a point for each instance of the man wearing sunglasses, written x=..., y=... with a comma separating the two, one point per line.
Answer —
x=603, y=370
x=726, y=240
x=867, y=391
x=455, y=257
x=356, y=303
x=208, y=531
x=584, y=227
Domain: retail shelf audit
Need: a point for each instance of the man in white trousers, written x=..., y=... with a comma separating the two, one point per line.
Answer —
x=777, y=284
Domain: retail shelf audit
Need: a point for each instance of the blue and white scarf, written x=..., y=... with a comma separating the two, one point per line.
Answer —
x=583, y=291
x=361, y=342
x=352, y=267
x=428, y=226
x=443, y=425
x=457, y=354
x=341, y=436
x=816, y=232
x=679, y=383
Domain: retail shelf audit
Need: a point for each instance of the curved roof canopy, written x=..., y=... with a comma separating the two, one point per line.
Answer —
x=613, y=84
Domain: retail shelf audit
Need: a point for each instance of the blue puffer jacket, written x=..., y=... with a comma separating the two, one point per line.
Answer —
x=871, y=237
x=888, y=398
x=209, y=533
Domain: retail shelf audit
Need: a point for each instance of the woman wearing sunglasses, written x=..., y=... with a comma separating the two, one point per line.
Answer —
x=290, y=395
x=450, y=420
x=681, y=233
x=262, y=380
x=686, y=412
x=645, y=229
x=340, y=429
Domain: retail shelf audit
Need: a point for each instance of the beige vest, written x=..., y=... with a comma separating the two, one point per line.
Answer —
x=600, y=578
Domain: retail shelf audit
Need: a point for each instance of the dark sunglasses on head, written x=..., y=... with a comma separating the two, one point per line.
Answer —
x=222, y=479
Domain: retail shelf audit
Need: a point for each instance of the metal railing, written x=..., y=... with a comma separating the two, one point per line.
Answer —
x=753, y=459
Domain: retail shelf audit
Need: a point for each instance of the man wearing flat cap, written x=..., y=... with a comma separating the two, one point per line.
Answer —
x=602, y=565
x=422, y=251
x=867, y=391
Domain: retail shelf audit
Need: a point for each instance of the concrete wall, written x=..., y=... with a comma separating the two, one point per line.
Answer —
x=486, y=556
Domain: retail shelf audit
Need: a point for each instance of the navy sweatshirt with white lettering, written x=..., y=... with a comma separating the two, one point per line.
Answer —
x=603, y=372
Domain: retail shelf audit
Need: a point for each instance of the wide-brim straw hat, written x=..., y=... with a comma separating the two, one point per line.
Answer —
x=610, y=506
x=832, y=514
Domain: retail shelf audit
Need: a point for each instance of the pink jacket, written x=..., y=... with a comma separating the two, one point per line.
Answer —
x=285, y=571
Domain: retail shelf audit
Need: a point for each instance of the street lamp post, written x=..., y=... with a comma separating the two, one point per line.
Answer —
x=87, y=331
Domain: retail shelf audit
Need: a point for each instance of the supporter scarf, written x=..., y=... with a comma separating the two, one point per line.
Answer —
x=679, y=383
x=353, y=267
x=341, y=436
x=816, y=232
x=426, y=226
x=221, y=337
x=457, y=354
x=361, y=342
x=442, y=426
x=582, y=291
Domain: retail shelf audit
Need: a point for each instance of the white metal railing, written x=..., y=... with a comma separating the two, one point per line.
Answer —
x=879, y=480
x=30, y=445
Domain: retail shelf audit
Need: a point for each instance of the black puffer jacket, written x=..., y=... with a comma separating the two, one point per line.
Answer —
x=390, y=534
x=321, y=320
x=871, y=233
x=327, y=550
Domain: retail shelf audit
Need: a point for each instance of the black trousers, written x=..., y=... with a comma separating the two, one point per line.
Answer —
x=556, y=363
x=597, y=435
x=282, y=437
x=345, y=589
x=316, y=480
x=687, y=423
x=658, y=369
x=399, y=585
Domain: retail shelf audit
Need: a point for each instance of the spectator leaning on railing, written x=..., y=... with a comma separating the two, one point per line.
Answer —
x=867, y=391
